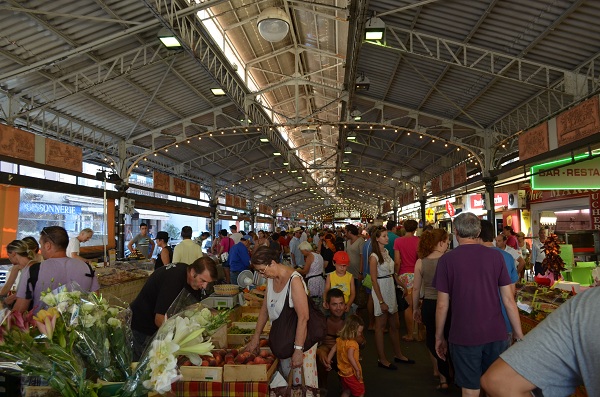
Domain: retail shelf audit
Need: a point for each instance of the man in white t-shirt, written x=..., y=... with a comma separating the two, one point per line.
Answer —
x=519, y=261
x=538, y=254
x=74, y=244
x=235, y=235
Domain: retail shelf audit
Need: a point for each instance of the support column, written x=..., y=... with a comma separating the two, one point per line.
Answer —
x=423, y=200
x=213, y=218
x=489, y=182
x=395, y=208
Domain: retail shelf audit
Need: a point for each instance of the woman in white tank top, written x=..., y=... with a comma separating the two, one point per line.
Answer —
x=279, y=277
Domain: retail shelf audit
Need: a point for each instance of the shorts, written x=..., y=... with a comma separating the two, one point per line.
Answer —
x=408, y=279
x=470, y=362
x=356, y=387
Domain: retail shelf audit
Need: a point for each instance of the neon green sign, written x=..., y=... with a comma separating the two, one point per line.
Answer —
x=582, y=175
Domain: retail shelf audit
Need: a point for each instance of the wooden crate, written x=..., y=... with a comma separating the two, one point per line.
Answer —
x=250, y=309
x=236, y=340
x=249, y=373
x=527, y=323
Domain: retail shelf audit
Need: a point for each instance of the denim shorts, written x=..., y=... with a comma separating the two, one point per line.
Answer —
x=470, y=362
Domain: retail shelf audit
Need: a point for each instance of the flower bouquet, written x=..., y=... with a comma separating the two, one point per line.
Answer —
x=42, y=346
x=102, y=332
x=185, y=333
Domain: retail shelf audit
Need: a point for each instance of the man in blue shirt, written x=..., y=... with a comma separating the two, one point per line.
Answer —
x=239, y=258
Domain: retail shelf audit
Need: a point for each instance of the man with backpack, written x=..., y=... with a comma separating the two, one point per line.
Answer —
x=55, y=271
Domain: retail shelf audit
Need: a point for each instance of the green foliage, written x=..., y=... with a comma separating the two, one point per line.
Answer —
x=174, y=232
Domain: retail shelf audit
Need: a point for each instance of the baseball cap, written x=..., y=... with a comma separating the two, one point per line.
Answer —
x=162, y=236
x=341, y=257
x=296, y=229
x=246, y=237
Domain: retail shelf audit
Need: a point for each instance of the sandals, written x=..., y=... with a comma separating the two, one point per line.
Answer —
x=390, y=366
x=407, y=338
x=443, y=387
x=401, y=361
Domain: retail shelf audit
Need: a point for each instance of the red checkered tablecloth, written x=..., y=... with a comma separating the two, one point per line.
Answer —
x=225, y=389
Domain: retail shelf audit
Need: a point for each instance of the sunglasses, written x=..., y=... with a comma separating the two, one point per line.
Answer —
x=47, y=235
x=262, y=271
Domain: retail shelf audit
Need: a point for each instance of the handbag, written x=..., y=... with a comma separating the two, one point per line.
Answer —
x=402, y=302
x=283, y=330
x=367, y=282
x=225, y=255
x=292, y=390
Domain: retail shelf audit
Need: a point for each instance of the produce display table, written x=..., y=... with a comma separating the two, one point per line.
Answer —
x=124, y=281
x=225, y=389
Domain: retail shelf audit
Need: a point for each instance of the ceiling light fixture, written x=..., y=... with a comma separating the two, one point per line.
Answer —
x=351, y=136
x=217, y=91
x=348, y=150
x=362, y=83
x=375, y=30
x=276, y=154
x=168, y=39
x=264, y=139
x=273, y=24
x=356, y=115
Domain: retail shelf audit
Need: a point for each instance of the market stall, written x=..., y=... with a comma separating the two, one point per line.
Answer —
x=124, y=281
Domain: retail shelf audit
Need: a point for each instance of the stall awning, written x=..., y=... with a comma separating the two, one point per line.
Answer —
x=156, y=215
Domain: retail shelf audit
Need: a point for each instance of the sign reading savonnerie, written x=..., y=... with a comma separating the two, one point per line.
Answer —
x=48, y=208
x=582, y=175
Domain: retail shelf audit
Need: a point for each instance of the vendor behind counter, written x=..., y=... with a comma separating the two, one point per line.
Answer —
x=159, y=292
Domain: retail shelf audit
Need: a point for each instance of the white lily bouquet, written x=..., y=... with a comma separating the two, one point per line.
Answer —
x=183, y=334
x=103, y=331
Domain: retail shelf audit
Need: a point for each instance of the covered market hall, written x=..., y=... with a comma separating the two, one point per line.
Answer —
x=136, y=125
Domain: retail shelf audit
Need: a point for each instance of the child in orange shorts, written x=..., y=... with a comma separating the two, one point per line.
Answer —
x=346, y=347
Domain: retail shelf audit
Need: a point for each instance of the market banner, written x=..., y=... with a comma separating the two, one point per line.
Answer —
x=446, y=180
x=534, y=141
x=161, y=181
x=460, y=174
x=62, y=155
x=179, y=186
x=578, y=123
x=435, y=185
x=194, y=190
x=17, y=143
x=387, y=206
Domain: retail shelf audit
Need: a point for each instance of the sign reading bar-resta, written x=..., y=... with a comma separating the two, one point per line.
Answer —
x=583, y=175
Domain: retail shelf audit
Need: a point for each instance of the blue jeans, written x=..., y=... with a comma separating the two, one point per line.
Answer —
x=233, y=276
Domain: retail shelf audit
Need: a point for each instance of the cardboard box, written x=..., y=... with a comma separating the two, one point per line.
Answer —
x=249, y=373
x=219, y=337
x=201, y=374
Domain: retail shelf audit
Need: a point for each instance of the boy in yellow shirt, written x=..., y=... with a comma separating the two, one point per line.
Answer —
x=341, y=280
